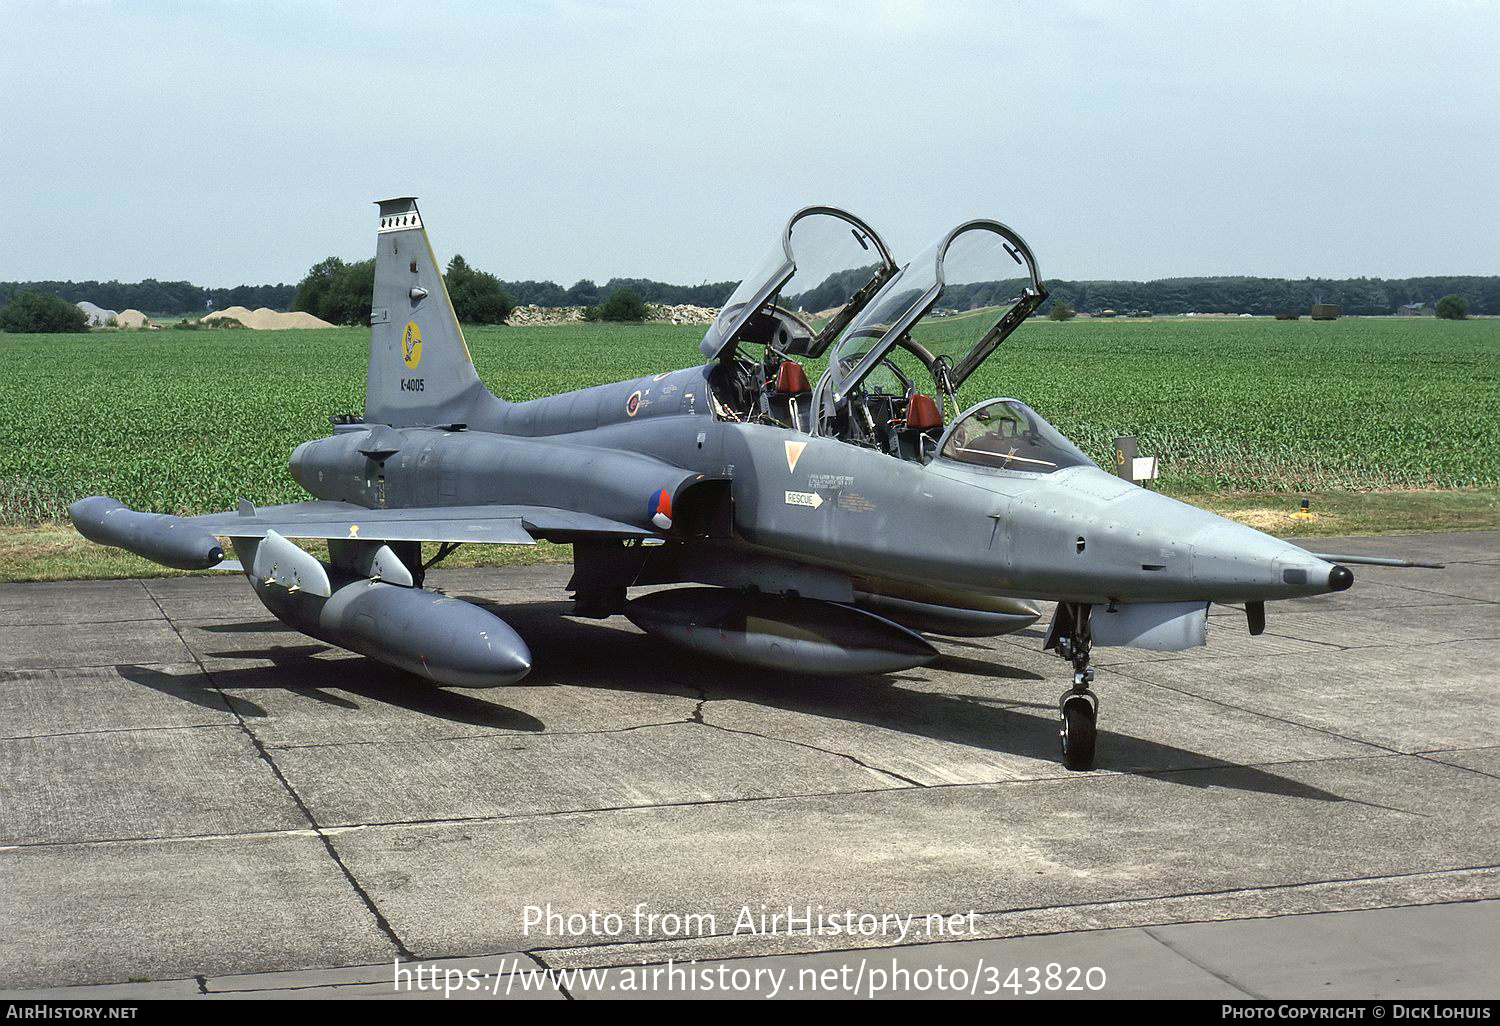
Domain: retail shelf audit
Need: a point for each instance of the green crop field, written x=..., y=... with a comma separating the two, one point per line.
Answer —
x=190, y=421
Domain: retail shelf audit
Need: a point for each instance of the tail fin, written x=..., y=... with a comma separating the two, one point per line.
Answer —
x=420, y=369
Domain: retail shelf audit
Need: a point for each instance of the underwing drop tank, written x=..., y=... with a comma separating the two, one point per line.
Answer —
x=447, y=640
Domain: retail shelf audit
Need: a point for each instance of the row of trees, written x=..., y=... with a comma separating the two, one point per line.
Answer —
x=338, y=291
x=586, y=293
x=42, y=313
x=156, y=297
x=1451, y=307
x=342, y=293
x=1364, y=296
x=333, y=290
x=1264, y=296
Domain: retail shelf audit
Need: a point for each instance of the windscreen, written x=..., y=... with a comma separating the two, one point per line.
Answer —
x=1009, y=435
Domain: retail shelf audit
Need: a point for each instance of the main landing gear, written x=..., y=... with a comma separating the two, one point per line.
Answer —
x=1078, y=709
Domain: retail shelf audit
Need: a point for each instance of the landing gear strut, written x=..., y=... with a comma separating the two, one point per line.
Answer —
x=1078, y=709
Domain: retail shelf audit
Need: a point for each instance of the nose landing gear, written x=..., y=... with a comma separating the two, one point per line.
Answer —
x=1078, y=709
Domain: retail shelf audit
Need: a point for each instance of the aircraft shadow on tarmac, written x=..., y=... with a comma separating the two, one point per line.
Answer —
x=590, y=653
x=599, y=654
x=248, y=627
x=357, y=676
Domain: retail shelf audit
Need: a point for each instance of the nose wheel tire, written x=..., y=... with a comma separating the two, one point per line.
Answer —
x=1078, y=734
x=1078, y=709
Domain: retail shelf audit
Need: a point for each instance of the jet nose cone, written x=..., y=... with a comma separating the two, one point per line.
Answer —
x=1340, y=578
x=1232, y=563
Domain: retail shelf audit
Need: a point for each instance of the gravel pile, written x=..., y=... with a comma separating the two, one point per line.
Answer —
x=656, y=313
x=266, y=319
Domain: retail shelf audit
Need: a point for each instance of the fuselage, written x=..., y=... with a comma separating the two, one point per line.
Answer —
x=1076, y=534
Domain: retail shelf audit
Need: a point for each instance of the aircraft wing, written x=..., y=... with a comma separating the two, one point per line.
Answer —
x=492, y=525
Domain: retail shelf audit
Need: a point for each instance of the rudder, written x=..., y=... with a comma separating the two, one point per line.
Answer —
x=420, y=370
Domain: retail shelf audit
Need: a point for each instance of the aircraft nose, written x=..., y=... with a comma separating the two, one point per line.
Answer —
x=1232, y=562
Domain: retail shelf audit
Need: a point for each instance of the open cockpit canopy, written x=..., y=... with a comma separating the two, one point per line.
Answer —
x=925, y=309
x=822, y=270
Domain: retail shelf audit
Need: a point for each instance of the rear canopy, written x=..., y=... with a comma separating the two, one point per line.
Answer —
x=974, y=265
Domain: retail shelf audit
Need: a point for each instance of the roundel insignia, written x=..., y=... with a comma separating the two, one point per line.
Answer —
x=411, y=345
x=660, y=509
x=633, y=404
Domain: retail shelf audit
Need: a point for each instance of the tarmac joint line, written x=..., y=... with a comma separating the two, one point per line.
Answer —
x=381, y=922
x=1223, y=978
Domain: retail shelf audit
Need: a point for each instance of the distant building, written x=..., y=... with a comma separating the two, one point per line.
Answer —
x=1411, y=310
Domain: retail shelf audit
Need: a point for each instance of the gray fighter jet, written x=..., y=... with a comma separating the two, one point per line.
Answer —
x=823, y=529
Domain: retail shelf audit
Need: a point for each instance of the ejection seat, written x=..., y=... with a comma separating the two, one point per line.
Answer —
x=924, y=423
x=789, y=399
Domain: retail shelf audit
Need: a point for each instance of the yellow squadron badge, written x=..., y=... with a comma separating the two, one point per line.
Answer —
x=411, y=345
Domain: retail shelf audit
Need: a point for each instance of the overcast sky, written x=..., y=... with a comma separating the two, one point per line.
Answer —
x=240, y=142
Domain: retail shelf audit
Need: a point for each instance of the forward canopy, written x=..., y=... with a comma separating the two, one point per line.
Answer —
x=823, y=268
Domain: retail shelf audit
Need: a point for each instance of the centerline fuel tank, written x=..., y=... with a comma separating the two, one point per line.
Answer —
x=779, y=633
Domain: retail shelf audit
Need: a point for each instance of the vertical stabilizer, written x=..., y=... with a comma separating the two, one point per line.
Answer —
x=420, y=369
